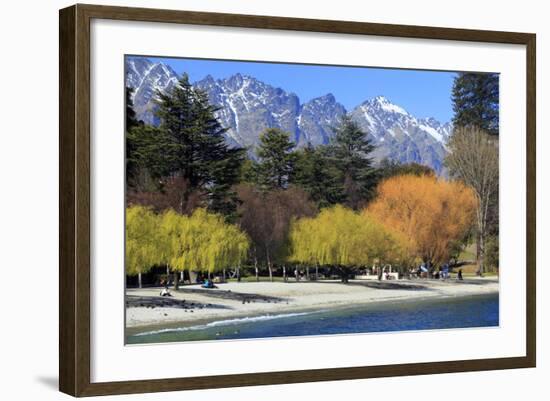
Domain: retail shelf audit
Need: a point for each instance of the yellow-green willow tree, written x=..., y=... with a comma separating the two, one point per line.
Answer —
x=142, y=241
x=201, y=242
x=342, y=238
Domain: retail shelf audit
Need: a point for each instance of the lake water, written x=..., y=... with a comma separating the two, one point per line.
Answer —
x=447, y=313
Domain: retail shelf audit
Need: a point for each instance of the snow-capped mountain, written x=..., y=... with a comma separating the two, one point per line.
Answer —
x=317, y=119
x=146, y=77
x=401, y=136
x=248, y=106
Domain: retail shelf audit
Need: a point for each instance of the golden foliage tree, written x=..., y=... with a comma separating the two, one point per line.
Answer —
x=428, y=214
x=142, y=241
x=342, y=238
x=201, y=242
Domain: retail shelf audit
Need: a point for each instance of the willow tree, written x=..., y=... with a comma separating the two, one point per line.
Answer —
x=341, y=238
x=142, y=241
x=172, y=231
x=201, y=242
x=385, y=246
x=429, y=214
x=213, y=244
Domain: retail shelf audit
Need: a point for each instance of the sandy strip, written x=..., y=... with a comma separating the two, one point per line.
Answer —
x=232, y=300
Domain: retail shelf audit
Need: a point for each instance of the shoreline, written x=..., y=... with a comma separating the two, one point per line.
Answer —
x=194, y=306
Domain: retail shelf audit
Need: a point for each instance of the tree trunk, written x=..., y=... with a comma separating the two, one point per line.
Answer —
x=269, y=267
x=344, y=273
x=483, y=210
x=284, y=273
x=182, y=277
x=307, y=273
x=316, y=271
x=239, y=273
x=478, y=243
x=256, y=268
x=223, y=275
x=176, y=281
x=139, y=280
x=481, y=266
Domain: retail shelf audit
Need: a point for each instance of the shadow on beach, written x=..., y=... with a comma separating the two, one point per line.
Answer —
x=236, y=296
x=389, y=285
x=135, y=301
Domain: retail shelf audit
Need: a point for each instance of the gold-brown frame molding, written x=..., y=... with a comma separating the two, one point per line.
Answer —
x=74, y=199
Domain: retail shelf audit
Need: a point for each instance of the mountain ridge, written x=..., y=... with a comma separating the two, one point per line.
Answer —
x=248, y=106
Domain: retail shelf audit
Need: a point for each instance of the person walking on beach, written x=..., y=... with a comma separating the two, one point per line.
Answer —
x=445, y=271
x=460, y=274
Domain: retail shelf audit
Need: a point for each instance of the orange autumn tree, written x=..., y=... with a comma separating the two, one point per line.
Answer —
x=427, y=212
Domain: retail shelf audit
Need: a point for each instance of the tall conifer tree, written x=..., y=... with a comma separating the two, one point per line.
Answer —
x=475, y=98
x=317, y=176
x=276, y=159
x=350, y=151
x=189, y=143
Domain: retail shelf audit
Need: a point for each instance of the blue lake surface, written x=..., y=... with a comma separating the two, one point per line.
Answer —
x=432, y=314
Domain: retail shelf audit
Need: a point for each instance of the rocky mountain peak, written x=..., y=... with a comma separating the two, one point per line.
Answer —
x=248, y=106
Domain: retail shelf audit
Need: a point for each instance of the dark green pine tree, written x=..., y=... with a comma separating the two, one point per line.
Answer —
x=145, y=163
x=249, y=171
x=193, y=147
x=276, y=159
x=131, y=120
x=475, y=98
x=350, y=152
x=138, y=139
x=131, y=166
x=318, y=176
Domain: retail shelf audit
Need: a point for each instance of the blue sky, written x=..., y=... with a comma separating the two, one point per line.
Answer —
x=422, y=93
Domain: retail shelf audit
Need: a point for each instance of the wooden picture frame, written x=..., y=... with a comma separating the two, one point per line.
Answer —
x=74, y=204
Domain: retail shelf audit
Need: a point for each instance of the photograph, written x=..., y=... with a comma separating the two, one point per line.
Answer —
x=269, y=199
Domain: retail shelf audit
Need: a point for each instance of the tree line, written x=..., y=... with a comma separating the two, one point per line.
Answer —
x=474, y=156
x=185, y=165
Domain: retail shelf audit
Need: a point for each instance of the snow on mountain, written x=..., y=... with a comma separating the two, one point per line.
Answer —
x=146, y=77
x=401, y=136
x=248, y=106
x=317, y=119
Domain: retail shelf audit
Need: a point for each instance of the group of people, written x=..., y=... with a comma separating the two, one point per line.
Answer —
x=441, y=273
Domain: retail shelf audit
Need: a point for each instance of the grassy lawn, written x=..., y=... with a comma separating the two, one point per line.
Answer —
x=469, y=253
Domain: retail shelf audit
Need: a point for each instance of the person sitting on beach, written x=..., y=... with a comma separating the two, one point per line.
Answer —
x=423, y=270
x=208, y=284
x=165, y=292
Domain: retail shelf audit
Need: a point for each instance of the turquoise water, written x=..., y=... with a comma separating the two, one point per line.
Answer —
x=447, y=313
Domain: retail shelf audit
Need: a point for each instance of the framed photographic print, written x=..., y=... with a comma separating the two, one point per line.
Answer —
x=250, y=200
